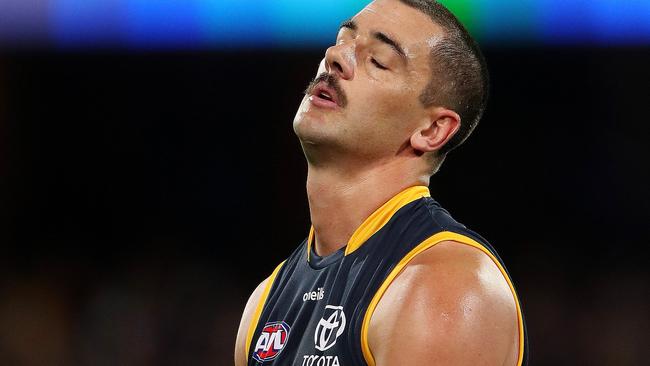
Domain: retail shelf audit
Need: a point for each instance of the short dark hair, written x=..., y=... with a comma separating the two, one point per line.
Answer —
x=460, y=79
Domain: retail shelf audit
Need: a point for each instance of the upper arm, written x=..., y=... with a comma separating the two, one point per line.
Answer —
x=450, y=306
x=244, y=324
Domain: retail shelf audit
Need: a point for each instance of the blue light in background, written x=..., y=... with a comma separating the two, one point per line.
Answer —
x=237, y=23
x=604, y=22
x=571, y=22
x=623, y=21
x=300, y=23
x=214, y=24
x=84, y=22
x=172, y=23
x=500, y=21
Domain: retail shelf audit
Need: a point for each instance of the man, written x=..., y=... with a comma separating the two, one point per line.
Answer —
x=386, y=277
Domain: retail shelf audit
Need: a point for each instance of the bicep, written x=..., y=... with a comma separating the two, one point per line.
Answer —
x=244, y=324
x=449, y=307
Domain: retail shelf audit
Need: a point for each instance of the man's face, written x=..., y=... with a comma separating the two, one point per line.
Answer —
x=365, y=100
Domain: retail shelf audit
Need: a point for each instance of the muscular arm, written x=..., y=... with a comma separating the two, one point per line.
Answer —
x=249, y=310
x=450, y=306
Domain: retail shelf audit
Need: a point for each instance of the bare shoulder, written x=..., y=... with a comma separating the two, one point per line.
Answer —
x=247, y=317
x=451, y=305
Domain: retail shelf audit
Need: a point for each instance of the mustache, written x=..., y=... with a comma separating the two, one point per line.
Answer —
x=332, y=82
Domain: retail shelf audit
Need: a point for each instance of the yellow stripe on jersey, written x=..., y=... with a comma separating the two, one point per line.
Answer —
x=260, y=305
x=428, y=243
x=377, y=219
x=310, y=240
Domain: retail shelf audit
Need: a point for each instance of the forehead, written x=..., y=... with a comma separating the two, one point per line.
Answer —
x=413, y=29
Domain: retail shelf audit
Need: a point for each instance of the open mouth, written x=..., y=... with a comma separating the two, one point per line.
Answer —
x=325, y=95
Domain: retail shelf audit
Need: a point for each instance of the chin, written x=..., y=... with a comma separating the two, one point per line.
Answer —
x=307, y=131
x=312, y=135
x=308, y=125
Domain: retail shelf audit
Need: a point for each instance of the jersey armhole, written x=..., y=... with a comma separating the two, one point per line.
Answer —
x=260, y=306
x=426, y=244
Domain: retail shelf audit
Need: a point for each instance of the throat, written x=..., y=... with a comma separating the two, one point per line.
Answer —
x=339, y=203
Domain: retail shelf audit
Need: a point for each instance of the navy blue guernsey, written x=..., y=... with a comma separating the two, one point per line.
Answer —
x=315, y=311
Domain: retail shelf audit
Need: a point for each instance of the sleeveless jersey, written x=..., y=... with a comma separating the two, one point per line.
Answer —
x=315, y=311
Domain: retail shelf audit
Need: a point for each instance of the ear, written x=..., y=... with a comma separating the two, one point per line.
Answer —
x=440, y=126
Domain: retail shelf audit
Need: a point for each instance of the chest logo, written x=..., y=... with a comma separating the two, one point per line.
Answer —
x=314, y=295
x=330, y=327
x=272, y=341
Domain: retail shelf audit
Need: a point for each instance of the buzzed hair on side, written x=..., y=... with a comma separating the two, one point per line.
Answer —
x=459, y=79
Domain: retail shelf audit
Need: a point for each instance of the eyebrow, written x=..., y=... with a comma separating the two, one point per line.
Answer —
x=382, y=37
x=350, y=24
x=391, y=42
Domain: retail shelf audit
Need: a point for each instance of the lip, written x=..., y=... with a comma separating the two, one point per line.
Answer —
x=315, y=99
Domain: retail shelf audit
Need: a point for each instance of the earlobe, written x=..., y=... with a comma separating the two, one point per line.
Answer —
x=439, y=128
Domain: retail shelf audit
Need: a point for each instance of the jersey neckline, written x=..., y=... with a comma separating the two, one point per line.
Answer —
x=318, y=262
x=374, y=222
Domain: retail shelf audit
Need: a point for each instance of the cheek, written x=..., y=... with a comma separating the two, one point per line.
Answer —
x=394, y=104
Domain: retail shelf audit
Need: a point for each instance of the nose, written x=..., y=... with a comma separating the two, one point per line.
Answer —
x=340, y=60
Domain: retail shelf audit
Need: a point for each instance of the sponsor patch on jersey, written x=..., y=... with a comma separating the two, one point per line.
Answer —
x=272, y=341
x=329, y=328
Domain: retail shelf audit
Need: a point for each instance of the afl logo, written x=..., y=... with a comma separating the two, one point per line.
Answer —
x=330, y=327
x=272, y=340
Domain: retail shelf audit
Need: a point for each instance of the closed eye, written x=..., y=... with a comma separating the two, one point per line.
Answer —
x=378, y=65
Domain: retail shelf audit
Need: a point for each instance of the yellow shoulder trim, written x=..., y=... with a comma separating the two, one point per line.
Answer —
x=428, y=243
x=260, y=305
x=310, y=240
x=378, y=219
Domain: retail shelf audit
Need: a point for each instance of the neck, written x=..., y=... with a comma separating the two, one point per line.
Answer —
x=339, y=201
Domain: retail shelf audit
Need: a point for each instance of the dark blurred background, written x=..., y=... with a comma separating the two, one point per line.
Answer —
x=144, y=193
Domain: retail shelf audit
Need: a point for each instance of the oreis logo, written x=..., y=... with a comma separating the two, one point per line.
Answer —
x=314, y=295
x=272, y=340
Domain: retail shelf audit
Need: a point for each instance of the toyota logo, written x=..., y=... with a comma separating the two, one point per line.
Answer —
x=332, y=323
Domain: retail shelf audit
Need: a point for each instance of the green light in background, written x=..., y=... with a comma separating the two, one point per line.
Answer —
x=465, y=10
